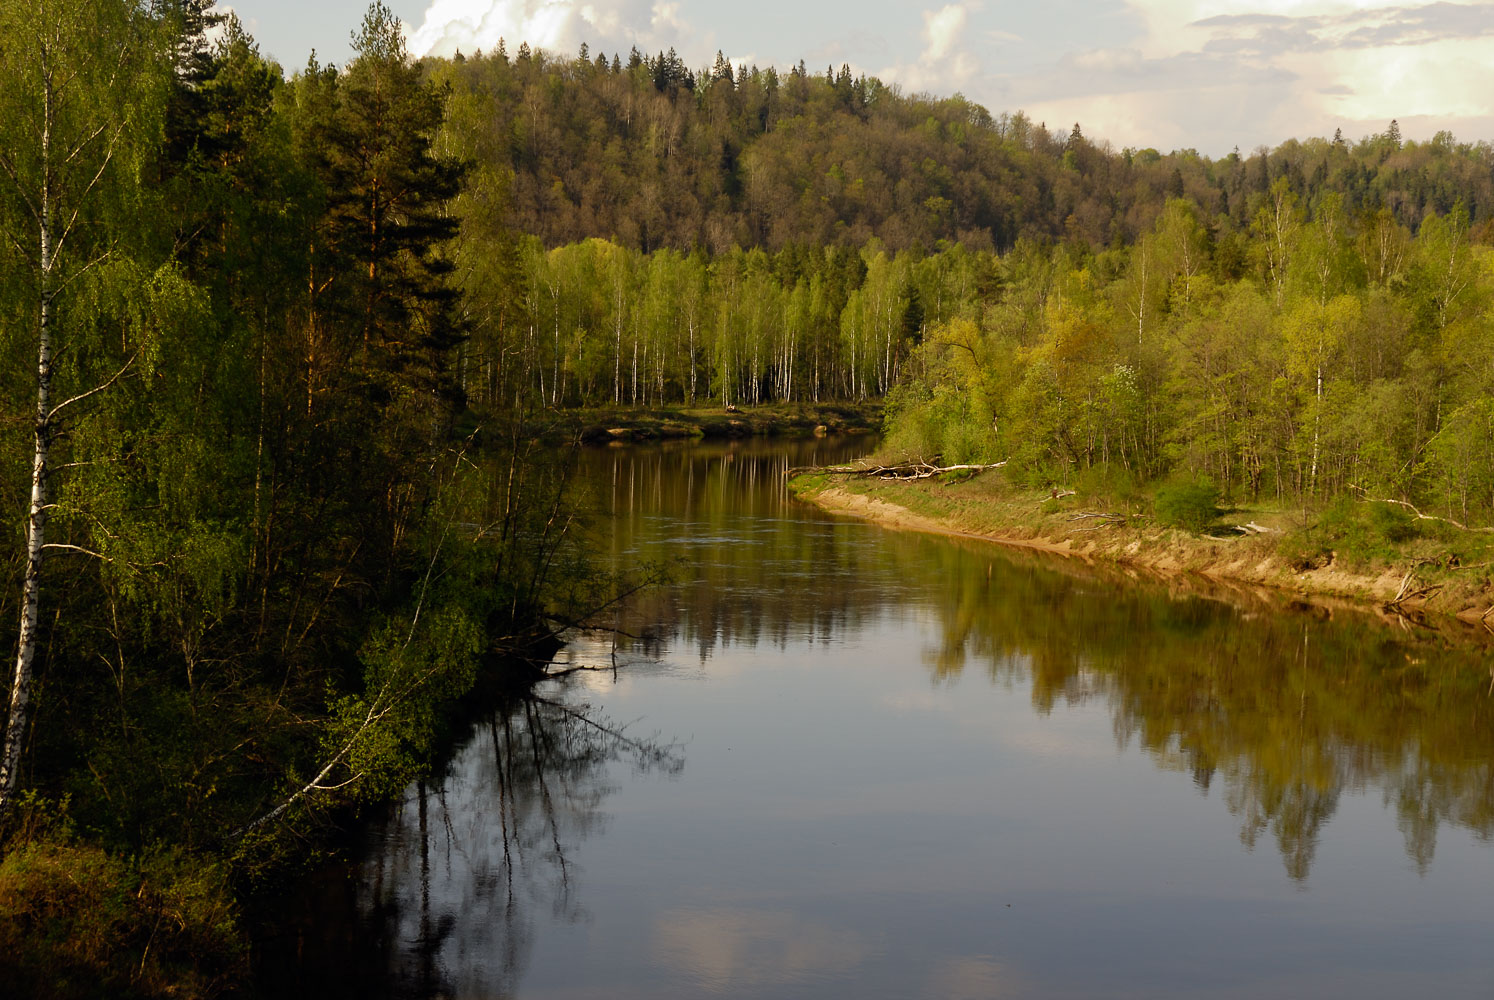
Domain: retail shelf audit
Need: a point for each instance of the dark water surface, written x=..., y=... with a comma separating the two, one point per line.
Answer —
x=860, y=763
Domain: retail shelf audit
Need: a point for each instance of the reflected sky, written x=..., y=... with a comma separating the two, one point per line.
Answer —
x=862, y=763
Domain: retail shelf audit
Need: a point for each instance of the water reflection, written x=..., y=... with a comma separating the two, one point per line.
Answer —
x=892, y=743
x=445, y=900
x=750, y=564
x=1284, y=708
x=742, y=949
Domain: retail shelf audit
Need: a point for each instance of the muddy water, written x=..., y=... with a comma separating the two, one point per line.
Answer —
x=829, y=760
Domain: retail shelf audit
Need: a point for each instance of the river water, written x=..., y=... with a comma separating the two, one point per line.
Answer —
x=831, y=760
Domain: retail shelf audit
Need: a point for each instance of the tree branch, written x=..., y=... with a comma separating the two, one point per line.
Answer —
x=1418, y=515
x=96, y=389
x=76, y=548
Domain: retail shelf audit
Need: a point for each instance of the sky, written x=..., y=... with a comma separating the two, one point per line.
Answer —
x=1211, y=75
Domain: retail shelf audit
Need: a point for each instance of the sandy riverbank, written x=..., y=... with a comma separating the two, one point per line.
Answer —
x=1246, y=561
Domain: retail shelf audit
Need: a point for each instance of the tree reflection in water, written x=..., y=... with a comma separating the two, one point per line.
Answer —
x=446, y=893
x=1284, y=705
x=1281, y=711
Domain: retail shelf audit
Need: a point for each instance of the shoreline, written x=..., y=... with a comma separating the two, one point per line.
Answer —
x=1248, y=565
x=627, y=425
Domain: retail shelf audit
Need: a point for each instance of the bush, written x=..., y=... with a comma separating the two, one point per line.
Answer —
x=1188, y=504
x=1111, y=486
x=1366, y=534
x=77, y=921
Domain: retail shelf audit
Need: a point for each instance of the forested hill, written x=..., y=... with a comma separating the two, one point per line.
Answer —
x=650, y=154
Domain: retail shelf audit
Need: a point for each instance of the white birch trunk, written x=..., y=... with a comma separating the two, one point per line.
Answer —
x=1317, y=423
x=36, y=523
x=691, y=327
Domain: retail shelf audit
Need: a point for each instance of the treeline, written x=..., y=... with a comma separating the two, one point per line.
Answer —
x=649, y=153
x=635, y=232
x=1314, y=355
x=596, y=323
x=255, y=541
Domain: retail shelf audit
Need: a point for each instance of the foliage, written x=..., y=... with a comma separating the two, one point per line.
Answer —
x=271, y=552
x=648, y=153
x=77, y=921
x=1190, y=504
x=324, y=314
x=1358, y=534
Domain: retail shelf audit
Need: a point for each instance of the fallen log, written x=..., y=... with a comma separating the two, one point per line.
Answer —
x=904, y=471
x=1105, y=520
x=1417, y=515
x=1406, y=593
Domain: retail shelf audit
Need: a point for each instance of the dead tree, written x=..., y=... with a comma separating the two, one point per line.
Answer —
x=908, y=471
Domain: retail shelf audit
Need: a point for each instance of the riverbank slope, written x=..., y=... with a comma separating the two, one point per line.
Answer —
x=1424, y=569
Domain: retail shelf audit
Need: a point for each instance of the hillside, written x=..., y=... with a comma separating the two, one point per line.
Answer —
x=650, y=154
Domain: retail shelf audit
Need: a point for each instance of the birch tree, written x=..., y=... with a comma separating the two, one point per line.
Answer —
x=78, y=88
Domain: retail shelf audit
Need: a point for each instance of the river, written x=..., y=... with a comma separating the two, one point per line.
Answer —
x=830, y=760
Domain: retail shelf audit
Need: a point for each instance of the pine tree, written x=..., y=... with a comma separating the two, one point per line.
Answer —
x=388, y=191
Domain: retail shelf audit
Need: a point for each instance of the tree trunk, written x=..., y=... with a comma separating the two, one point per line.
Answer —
x=36, y=523
x=1317, y=423
x=691, y=327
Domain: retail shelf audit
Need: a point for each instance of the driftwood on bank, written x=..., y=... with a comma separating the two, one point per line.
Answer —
x=1417, y=515
x=1409, y=591
x=906, y=470
x=1102, y=520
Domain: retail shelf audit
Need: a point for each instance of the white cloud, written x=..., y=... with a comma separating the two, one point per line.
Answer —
x=753, y=950
x=665, y=18
x=942, y=30
x=946, y=63
x=557, y=26
x=1211, y=74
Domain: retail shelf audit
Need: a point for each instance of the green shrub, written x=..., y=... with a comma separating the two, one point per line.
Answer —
x=1111, y=486
x=1365, y=534
x=77, y=921
x=1190, y=504
x=922, y=423
x=1302, y=552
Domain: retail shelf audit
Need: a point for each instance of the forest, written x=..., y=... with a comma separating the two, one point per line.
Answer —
x=270, y=343
x=650, y=154
x=257, y=543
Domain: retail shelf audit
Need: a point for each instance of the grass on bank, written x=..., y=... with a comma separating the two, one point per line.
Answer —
x=1186, y=524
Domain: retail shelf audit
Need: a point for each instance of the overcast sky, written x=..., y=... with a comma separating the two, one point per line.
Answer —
x=1210, y=74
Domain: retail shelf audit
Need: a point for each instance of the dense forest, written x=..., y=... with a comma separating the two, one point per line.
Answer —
x=1296, y=323
x=256, y=542
x=271, y=346
x=1310, y=357
x=650, y=154
x=1307, y=355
